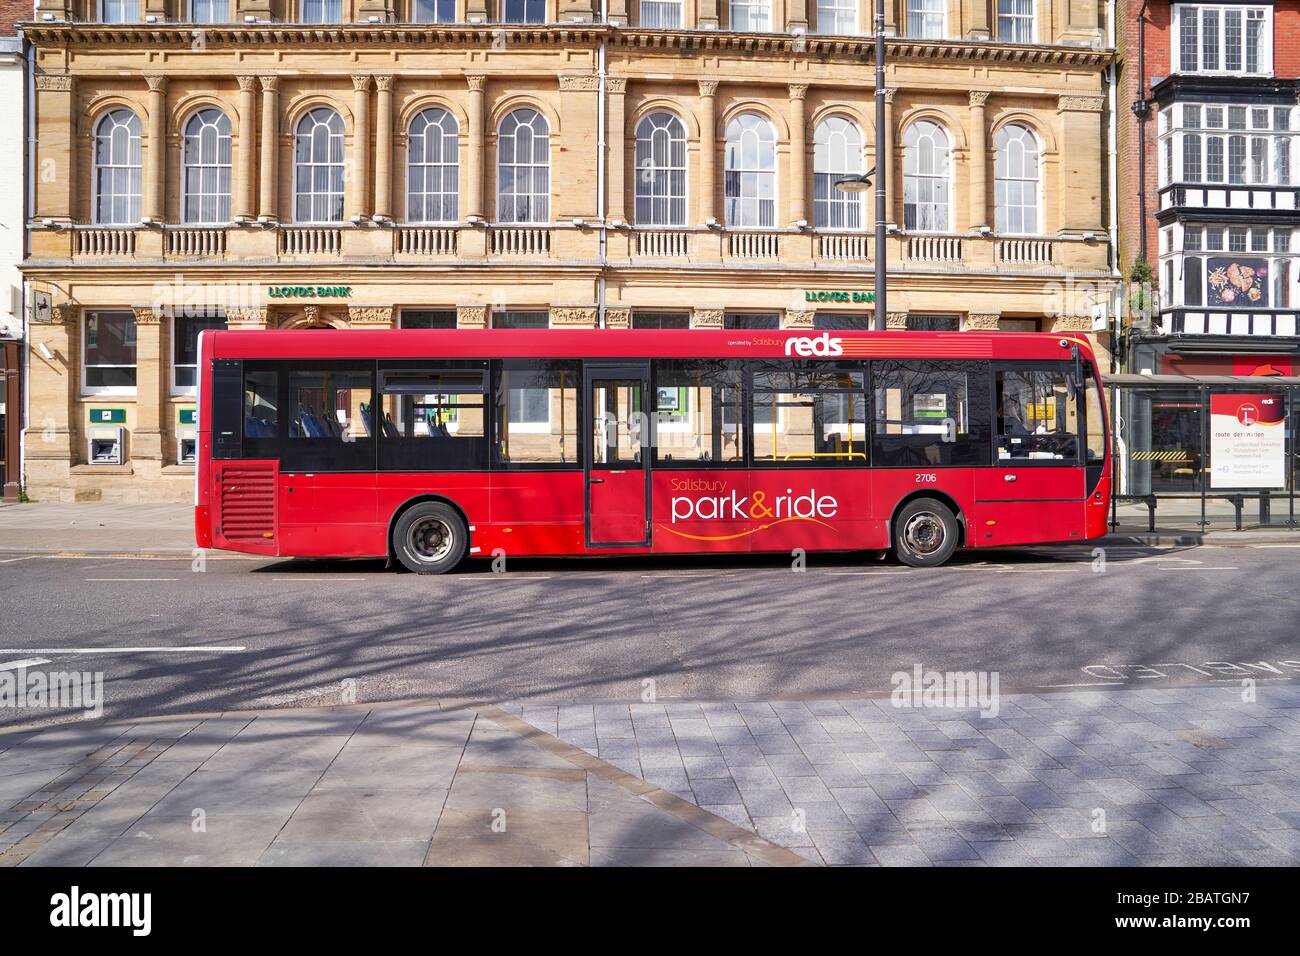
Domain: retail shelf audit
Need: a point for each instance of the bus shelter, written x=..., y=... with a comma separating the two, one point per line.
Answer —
x=1205, y=452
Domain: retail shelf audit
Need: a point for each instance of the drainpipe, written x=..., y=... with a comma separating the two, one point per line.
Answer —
x=29, y=208
x=1112, y=133
x=1142, y=110
x=601, y=139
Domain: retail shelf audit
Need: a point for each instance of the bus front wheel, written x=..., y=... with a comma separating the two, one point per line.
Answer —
x=430, y=538
x=925, y=533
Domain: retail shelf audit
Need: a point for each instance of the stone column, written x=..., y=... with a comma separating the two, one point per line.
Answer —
x=798, y=185
x=474, y=147
x=1080, y=166
x=707, y=19
x=357, y=190
x=708, y=150
x=52, y=384
x=977, y=26
x=891, y=19
x=384, y=147
x=246, y=171
x=267, y=206
x=57, y=125
x=885, y=162
x=616, y=148
x=476, y=11
x=979, y=156
x=154, y=194
x=150, y=379
x=576, y=167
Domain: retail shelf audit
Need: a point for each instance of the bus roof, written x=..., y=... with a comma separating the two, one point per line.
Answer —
x=639, y=343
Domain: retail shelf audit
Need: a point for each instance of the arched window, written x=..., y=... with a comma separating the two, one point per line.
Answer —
x=925, y=177
x=318, y=167
x=432, y=170
x=751, y=172
x=837, y=154
x=117, y=169
x=660, y=170
x=1015, y=180
x=205, y=167
x=524, y=167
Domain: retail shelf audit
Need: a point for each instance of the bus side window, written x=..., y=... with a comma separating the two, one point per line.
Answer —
x=261, y=417
x=537, y=412
x=698, y=412
x=809, y=413
x=1096, y=419
x=929, y=413
x=433, y=421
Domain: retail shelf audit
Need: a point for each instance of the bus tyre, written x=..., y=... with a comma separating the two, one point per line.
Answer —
x=925, y=533
x=430, y=538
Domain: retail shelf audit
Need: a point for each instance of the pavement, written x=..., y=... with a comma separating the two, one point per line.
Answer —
x=1191, y=776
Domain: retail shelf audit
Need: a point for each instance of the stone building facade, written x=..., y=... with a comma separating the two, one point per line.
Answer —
x=530, y=164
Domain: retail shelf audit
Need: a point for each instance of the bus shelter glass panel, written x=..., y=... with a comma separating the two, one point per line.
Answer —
x=1162, y=434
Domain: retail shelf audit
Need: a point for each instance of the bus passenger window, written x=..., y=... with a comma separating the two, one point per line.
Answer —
x=929, y=413
x=810, y=417
x=261, y=419
x=331, y=405
x=1037, y=416
x=432, y=431
x=537, y=411
x=1096, y=421
x=698, y=412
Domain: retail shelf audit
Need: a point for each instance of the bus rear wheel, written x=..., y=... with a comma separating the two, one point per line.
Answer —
x=925, y=533
x=430, y=538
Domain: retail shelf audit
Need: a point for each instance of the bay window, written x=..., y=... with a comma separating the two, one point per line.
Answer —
x=1228, y=267
x=1234, y=145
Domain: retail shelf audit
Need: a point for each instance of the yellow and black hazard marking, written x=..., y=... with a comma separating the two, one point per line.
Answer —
x=1159, y=456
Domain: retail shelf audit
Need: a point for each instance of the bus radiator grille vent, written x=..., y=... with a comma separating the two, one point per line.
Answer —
x=248, y=502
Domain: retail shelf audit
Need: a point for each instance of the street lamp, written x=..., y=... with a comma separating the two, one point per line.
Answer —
x=860, y=184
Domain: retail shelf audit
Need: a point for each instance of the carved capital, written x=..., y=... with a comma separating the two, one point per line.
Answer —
x=582, y=82
x=982, y=321
x=889, y=94
x=798, y=91
x=270, y=84
x=1072, y=323
x=574, y=317
x=616, y=84
x=471, y=316
x=618, y=318
x=384, y=82
x=145, y=315
x=54, y=82
x=361, y=82
x=798, y=319
x=979, y=97
x=157, y=82
x=708, y=87
x=372, y=316
x=246, y=82
x=1080, y=104
x=246, y=317
x=475, y=81
x=706, y=318
x=58, y=315
x=896, y=320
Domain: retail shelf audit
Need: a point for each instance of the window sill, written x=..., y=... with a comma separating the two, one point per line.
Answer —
x=102, y=470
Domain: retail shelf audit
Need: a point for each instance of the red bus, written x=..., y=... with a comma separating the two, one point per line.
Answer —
x=431, y=446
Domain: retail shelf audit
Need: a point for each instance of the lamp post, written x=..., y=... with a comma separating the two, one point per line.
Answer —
x=860, y=184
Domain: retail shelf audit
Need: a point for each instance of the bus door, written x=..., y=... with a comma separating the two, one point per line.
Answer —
x=1035, y=490
x=617, y=469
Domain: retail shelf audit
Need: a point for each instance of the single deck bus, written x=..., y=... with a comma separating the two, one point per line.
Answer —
x=431, y=446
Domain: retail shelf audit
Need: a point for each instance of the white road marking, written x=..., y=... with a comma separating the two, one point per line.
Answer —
x=25, y=662
x=1105, y=683
x=12, y=560
x=503, y=575
x=1179, y=567
x=131, y=579
x=197, y=649
x=317, y=579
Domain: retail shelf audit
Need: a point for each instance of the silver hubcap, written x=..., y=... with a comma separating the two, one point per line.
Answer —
x=923, y=533
x=430, y=540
